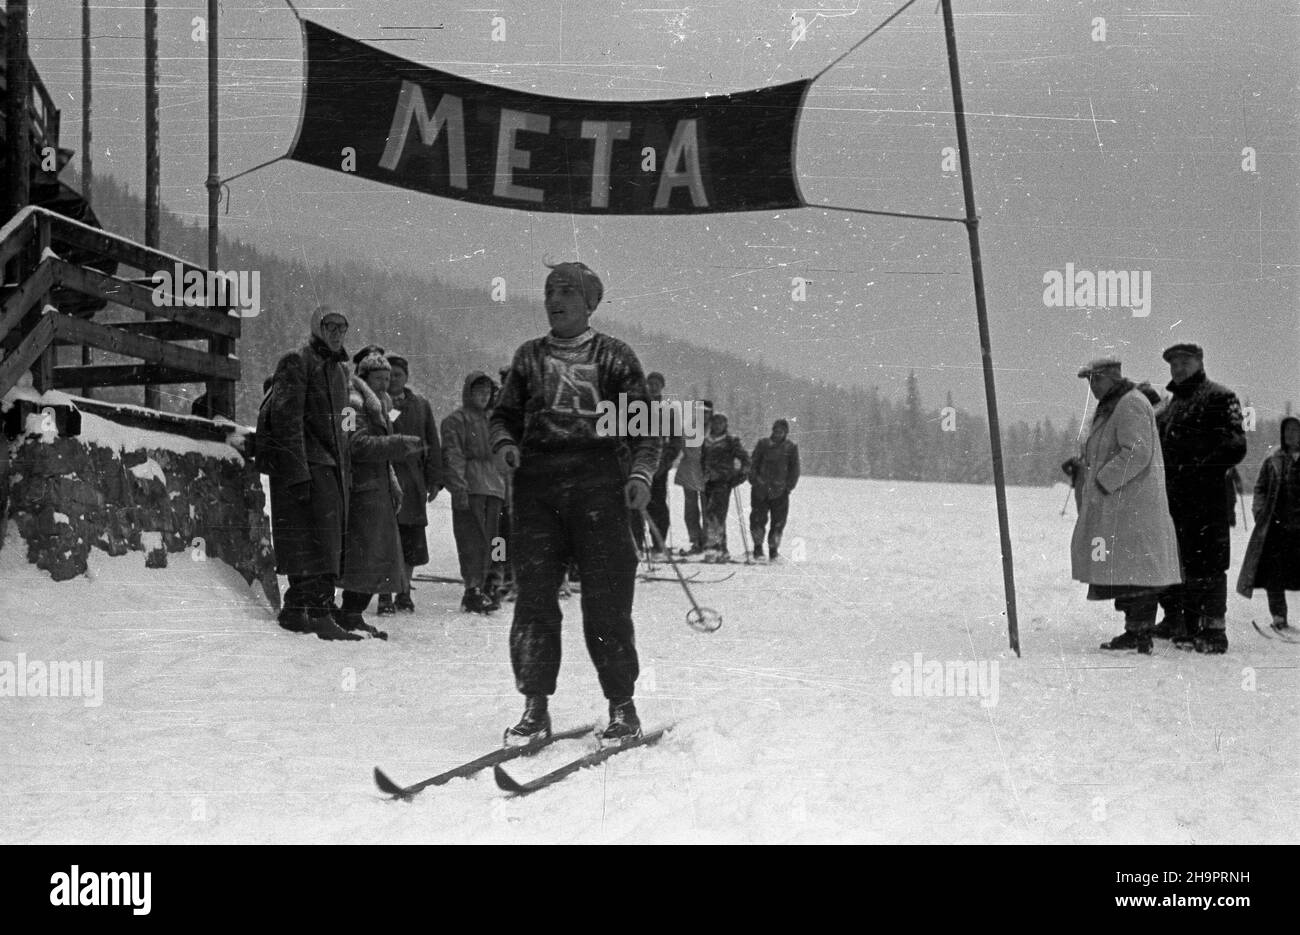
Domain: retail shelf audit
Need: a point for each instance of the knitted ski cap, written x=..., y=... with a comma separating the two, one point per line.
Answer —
x=581, y=276
x=318, y=319
x=781, y=423
x=371, y=362
x=399, y=362
x=365, y=352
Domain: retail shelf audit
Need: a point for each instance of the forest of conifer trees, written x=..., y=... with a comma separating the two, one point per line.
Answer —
x=886, y=433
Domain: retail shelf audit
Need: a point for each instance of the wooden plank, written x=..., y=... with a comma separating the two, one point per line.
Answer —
x=26, y=296
x=162, y=329
x=14, y=244
x=121, y=375
x=25, y=354
x=125, y=251
x=92, y=282
x=171, y=356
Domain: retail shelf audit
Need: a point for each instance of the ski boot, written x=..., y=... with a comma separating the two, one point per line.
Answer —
x=1279, y=624
x=295, y=620
x=386, y=608
x=403, y=603
x=324, y=626
x=475, y=602
x=353, y=622
x=624, y=726
x=758, y=553
x=772, y=553
x=534, y=726
x=1212, y=640
x=1130, y=641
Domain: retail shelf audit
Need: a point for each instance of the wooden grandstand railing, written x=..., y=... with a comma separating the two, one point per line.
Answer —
x=32, y=327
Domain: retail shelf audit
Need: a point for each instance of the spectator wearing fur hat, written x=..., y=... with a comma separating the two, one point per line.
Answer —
x=420, y=476
x=1124, y=547
x=1272, y=559
x=372, y=558
x=773, y=474
x=1202, y=438
x=302, y=446
x=477, y=488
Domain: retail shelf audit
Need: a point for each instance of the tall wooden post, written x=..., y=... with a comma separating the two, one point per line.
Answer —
x=152, y=158
x=19, y=155
x=981, y=312
x=221, y=393
x=87, y=170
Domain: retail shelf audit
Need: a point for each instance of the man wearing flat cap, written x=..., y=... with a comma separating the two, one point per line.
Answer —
x=1124, y=547
x=1202, y=437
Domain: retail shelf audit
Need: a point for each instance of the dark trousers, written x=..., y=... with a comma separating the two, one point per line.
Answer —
x=312, y=593
x=474, y=529
x=1277, y=602
x=758, y=512
x=355, y=602
x=500, y=573
x=694, y=509
x=570, y=506
x=717, y=497
x=1139, y=611
x=1184, y=604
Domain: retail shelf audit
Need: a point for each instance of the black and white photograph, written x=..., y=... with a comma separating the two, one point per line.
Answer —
x=579, y=422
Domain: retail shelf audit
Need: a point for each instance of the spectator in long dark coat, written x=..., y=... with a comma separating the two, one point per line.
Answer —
x=690, y=477
x=372, y=558
x=302, y=447
x=1272, y=559
x=773, y=474
x=420, y=476
x=1202, y=438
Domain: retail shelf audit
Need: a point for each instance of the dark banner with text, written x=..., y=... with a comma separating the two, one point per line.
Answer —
x=380, y=117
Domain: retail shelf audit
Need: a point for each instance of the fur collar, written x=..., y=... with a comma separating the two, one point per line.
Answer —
x=363, y=398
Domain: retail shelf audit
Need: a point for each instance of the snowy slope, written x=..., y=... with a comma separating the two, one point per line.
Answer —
x=218, y=726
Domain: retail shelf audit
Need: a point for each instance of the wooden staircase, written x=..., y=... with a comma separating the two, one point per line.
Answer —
x=33, y=326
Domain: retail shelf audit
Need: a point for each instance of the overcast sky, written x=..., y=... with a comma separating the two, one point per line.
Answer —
x=1123, y=154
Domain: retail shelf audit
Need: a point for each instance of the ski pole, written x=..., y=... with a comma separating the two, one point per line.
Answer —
x=1067, y=500
x=704, y=619
x=740, y=518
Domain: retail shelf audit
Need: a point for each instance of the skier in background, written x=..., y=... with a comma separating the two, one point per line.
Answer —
x=573, y=488
x=690, y=477
x=671, y=431
x=726, y=466
x=773, y=474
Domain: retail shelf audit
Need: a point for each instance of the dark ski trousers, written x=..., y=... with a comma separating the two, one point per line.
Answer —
x=717, y=497
x=474, y=529
x=1184, y=604
x=312, y=593
x=570, y=506
x=758, y=510
x=694, y=505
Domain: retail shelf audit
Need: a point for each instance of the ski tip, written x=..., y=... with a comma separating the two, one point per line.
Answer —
x=504, y=782
x=388, y=787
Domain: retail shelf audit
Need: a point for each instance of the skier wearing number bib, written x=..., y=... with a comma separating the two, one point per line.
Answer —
x=572, y=491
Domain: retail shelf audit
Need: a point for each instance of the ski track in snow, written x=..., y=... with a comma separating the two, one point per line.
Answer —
x=217, y=726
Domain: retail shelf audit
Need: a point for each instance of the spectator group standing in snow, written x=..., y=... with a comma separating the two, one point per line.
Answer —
x=1156, y=489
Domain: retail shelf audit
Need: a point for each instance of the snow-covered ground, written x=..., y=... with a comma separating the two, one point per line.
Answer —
x=793, y=724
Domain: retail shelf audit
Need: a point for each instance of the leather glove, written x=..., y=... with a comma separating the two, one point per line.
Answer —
x=507, y=458
x=637, y=494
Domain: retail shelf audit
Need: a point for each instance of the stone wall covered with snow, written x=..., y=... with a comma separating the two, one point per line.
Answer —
x=120, y=489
